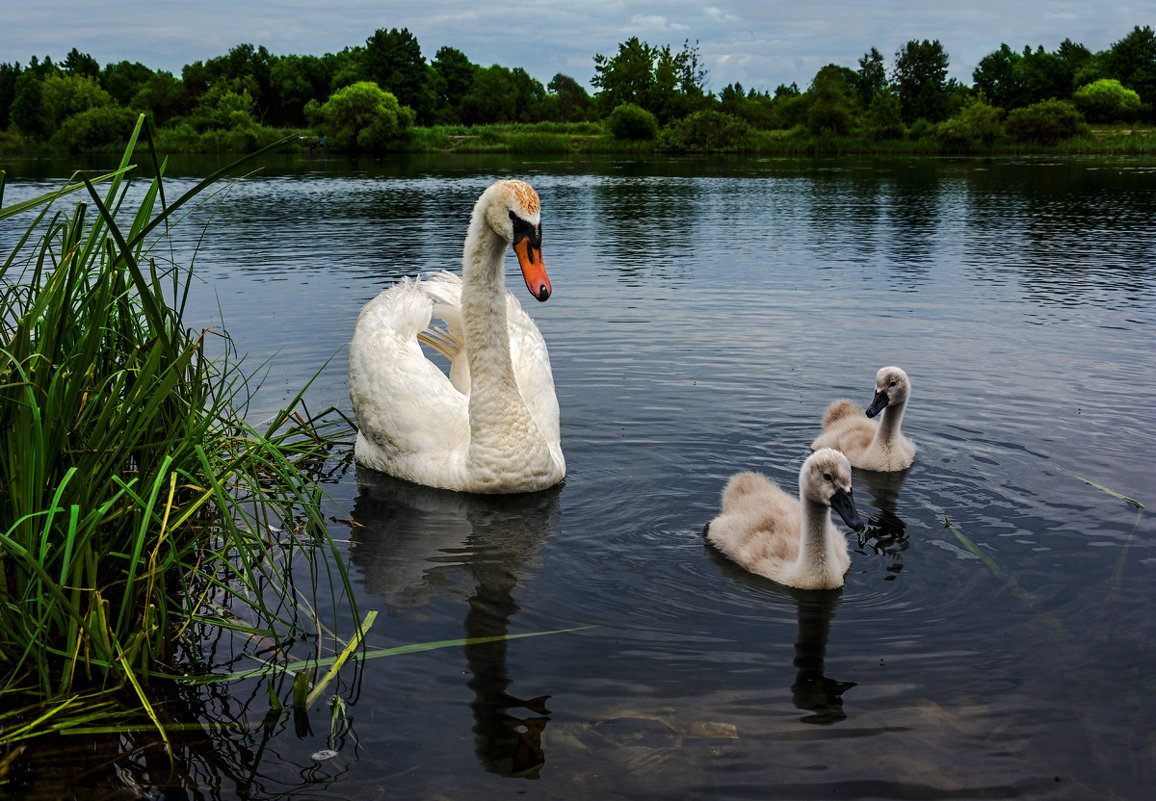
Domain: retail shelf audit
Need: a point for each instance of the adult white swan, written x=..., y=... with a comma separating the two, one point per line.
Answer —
x=491, y=425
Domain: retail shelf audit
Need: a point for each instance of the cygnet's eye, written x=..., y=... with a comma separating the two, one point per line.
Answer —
x=827, y=476
x=893, y=381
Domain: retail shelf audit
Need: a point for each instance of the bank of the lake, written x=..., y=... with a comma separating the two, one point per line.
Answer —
x=592, y=138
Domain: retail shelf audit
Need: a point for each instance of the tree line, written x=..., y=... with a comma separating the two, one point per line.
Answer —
x=373, y=96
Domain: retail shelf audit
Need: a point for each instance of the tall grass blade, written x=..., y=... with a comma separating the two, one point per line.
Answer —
x=1001, y=574
x=1118, y=573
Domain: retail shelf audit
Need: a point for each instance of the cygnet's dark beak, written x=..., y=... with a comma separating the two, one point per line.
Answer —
x=843, y=503
x=878, y=404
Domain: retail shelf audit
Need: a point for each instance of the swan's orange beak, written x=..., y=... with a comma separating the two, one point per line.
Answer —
x=533, y=270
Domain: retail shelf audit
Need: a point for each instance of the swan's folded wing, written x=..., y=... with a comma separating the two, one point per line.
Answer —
x=401, y=399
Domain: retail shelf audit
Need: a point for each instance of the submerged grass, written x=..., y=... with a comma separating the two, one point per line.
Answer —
x=137, y=506
x=1118, y=573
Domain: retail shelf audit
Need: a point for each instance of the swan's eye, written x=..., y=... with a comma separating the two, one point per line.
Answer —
x=827, y=476
x=524, y=230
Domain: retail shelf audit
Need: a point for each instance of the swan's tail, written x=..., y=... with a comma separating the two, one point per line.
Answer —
x=741, y=484
x=839, y=410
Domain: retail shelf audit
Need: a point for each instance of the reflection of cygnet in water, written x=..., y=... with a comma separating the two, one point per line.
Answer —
x=872, y=445
x=414, y=545
x=813, y=691
x=886, y=532
x=790, y=540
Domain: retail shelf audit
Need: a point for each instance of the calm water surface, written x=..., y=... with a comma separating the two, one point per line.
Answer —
x=704, y=314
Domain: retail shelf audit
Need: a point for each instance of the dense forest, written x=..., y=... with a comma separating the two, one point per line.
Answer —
x=385, y=95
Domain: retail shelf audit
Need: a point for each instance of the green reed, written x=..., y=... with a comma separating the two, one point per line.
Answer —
x=137, y=506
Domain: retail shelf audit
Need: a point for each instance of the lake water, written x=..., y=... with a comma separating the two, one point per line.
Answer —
x=705, y=312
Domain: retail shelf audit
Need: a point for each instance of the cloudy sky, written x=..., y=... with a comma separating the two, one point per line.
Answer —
x=760, y=43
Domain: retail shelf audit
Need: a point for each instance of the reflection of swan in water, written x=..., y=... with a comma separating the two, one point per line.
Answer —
x=413, y=545
x=872, y=445
x=886, y=532
x=812, y=690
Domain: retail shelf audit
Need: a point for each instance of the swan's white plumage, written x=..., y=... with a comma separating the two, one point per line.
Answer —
x=788, y=539
x=492, y=424
x=870, y=444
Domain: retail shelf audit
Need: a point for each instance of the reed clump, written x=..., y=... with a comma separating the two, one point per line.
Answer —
x=137, y=506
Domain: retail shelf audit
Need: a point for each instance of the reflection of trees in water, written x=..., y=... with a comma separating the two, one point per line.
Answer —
x=886, y=531
x=414, y=544
x=648, y=229
x=1072, y=232
x=913, y=220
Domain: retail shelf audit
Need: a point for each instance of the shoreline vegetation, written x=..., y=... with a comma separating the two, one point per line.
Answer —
x=386, y=97
x=578, y=139
x=149, y=532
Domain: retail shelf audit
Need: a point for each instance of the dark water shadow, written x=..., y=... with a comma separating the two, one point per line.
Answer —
x=414, y=543
x=812, y=691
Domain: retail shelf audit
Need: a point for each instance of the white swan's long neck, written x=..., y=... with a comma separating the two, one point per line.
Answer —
x=888, y=431
x=814, y=551
x=484, y=322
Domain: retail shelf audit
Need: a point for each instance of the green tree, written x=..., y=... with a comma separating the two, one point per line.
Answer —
x=361, y=116
x=708, y=131
x=1077, y=60
x=632, y=122
x=294, y=81
x=883, y=118
x=81, y=64
x=1107, y=100
x=8, y=75
x=996, y=76
x=753, y=106
x=665, y=83
x=393, y=59
x=1132, y=61
x=871, y=79
x=920, y=80
x=97, y=127
x=226, y=104
x=245, y=68
x=831, y=110
x=1013, y=80
x=27, y=113
x=160, y=98
x=65, y=95
x=574, y=102
x=977, y=124
x=455, y=76
x=1048, y=122
x=531, y=101
x=124, y=79
x=493, y=97
x=626, y=77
